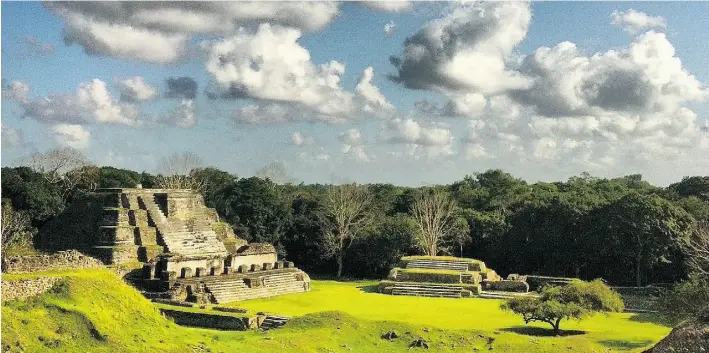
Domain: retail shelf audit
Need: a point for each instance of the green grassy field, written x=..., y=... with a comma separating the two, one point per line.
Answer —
x=94, y=311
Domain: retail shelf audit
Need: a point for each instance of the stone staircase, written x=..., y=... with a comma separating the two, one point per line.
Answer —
x=273, y=321
x=427, y=290
x=438, y=265
x=283, y=283
x=178, y=237
x=227, y=288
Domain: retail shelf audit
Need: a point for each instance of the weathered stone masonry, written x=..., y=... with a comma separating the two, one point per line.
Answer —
x=25, y=288
x=63, y=260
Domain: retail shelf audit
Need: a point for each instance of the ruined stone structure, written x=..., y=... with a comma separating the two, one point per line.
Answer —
x=25, y=288
x=449, y=277
x=185, y=251
x=62, y=260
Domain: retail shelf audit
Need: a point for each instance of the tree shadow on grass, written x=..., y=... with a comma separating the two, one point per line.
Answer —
x=368, y=289
x=540, y=331
x=625, y=345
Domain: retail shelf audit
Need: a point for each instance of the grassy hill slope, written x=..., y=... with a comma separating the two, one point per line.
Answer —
x=94, y=311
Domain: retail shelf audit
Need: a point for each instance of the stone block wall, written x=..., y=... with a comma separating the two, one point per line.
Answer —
x=25, y=288
x=63, y=260
x=213, y=321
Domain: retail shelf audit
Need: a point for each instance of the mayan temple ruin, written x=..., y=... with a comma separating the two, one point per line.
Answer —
x=184, y=250
x=450, y=277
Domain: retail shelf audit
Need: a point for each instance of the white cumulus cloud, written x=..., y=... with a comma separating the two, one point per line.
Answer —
x=270, y=66
x=16, y=90
x=184, y=115
x=91, y=103
x=158, y=32
x=467, y=49
x=433, y=140
x=11, y=137
x=389, y=5
x=71, y=135
x=134, y=89
x=634, y=21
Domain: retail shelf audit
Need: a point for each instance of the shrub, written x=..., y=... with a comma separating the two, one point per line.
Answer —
x=576, y=300
x=686, y=299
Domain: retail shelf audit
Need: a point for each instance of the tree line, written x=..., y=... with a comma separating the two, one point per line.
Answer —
x=623, y=230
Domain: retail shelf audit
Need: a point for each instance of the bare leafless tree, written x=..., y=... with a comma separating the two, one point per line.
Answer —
x=16, y=227
x=435, y=214
x=698, y=249
x=177, y=172
x=56, y=163
x=346, y=212
x=65, y=167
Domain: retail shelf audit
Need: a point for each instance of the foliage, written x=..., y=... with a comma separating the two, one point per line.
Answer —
x=692, y=186
x=686, y=298
x=110, y=177
x=576, y=300
x=30, y=192
x=640, y=233
x=380, y=247
x=255, y=209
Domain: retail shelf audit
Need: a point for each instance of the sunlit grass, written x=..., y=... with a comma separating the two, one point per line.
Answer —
x=94, y=311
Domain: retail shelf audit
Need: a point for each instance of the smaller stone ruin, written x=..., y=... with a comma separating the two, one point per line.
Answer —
x=62, y=260
x=449, y=277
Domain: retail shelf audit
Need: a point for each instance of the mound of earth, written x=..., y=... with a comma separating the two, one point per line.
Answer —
x=689, y=337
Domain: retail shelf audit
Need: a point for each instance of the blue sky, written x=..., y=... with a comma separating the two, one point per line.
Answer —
x=630, y=95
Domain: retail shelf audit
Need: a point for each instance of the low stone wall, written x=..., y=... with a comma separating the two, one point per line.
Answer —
x=507, y=286
x=204, y=320
x=640, y=291
x=25, y=288
x=538, y=282
x=62, y=260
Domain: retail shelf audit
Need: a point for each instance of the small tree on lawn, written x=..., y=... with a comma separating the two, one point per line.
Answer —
x=576, y=300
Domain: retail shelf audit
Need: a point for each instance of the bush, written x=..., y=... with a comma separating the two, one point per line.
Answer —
x=576, y=300
x=686, y=299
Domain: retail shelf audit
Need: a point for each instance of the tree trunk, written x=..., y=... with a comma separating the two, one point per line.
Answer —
x=432, y=250
x=339, y=264
x=638, y=275
x=556, y=327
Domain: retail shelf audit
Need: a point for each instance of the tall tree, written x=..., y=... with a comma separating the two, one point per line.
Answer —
x=644, y=230
x=346, y=212
x=435, y=214
x=692, y=186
